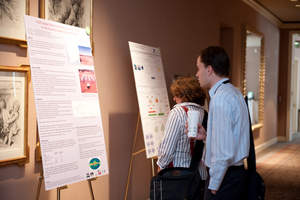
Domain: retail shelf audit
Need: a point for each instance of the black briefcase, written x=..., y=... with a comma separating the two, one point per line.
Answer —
x=255, y=186
x=176, y=184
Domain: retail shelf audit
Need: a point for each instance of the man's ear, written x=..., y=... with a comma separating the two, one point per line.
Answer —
x=209, y=69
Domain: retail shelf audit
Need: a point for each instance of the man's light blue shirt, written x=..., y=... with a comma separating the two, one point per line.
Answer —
x=228, y=140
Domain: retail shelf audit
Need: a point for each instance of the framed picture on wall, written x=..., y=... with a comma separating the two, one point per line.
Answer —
x=76, y=13
x=12, y=29
x=13, y=114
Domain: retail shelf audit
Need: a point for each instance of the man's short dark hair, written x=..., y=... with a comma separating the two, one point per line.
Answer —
x=216, y=57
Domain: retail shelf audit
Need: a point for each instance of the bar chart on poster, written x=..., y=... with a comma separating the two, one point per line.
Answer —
x=151, y=92
x=66, y=98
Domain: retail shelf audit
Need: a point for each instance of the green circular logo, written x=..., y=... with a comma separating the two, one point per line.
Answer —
x=95, y=163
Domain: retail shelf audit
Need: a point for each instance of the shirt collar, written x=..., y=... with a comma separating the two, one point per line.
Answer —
x=213, y=90
x=187, y=104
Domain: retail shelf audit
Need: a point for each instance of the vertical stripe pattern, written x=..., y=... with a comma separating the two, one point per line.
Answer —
x=175, y=146
x=227, y=142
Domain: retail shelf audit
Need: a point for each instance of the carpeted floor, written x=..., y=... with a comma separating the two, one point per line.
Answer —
x=280, y=169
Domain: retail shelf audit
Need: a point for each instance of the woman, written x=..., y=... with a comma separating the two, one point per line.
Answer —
x=175, y=149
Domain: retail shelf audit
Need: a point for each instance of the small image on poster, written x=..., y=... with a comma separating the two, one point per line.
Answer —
x=96, y=167
x=86, y=57
x=87, y=81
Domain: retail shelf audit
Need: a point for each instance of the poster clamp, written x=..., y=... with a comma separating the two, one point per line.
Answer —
x=133, y=154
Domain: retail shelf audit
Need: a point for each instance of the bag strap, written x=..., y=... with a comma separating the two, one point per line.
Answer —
x=204, y=122
x=199, y=146
x=192, y=142
x=251, y=160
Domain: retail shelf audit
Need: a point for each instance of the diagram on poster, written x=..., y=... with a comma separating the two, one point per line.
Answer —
x=152, y=94
x=66, y=98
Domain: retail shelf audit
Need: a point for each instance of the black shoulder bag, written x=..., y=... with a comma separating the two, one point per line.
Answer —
x=255, y=184
x=178, y=183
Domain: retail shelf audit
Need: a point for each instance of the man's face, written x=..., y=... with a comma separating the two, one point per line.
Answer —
x=202, y=74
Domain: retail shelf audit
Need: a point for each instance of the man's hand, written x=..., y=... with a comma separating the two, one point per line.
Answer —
x=201, y=135
x=214, y=192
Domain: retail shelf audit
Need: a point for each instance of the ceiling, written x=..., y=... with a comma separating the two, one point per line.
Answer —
x=284, y=10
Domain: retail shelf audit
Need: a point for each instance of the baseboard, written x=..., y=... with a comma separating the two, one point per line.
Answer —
x=295, y=135
x=281, y=139
x=265, y=145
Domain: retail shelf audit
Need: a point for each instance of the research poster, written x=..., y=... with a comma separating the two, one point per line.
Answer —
x=66, y=99
x=151, y=92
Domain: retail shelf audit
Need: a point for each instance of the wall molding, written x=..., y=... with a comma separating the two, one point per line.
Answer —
x=261, y=10
x=270, y=16
x=265, y=145
x=290, y=26
x=281, y=139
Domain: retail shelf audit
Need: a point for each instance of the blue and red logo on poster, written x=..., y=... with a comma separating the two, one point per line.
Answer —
x=95, y=163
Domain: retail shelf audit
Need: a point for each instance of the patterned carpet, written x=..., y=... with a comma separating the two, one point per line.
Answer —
x=281, y=172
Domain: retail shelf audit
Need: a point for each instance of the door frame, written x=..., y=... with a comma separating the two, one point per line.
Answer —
x=288, y=136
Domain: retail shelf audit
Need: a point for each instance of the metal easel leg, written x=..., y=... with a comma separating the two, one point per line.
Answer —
x=91, y=188
x=131, y=159
x=59, y=189
x=41, y=178
x=58, y=193
x=153, y=167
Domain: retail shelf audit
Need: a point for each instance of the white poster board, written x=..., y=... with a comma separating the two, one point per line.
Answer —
x=66, y=98
x=152, y=94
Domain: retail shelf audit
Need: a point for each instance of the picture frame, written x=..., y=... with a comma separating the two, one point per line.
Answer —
x=14, y=147
x=79, y=14
x=12, y=22
x=258, y=76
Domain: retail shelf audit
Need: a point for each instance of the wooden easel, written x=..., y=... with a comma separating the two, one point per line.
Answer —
x=133, y=154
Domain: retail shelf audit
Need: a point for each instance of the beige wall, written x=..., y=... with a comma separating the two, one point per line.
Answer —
x=241, y=14
x=181, y=30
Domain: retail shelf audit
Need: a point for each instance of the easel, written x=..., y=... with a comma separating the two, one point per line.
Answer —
x=41, y=178
x=133, y=154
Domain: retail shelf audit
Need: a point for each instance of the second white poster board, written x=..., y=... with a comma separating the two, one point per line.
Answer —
x=152, y=94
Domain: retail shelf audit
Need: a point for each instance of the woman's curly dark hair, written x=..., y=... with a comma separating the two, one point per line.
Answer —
x=188, y=89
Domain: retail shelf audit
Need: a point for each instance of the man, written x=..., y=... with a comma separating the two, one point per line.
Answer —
x=227, y=140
